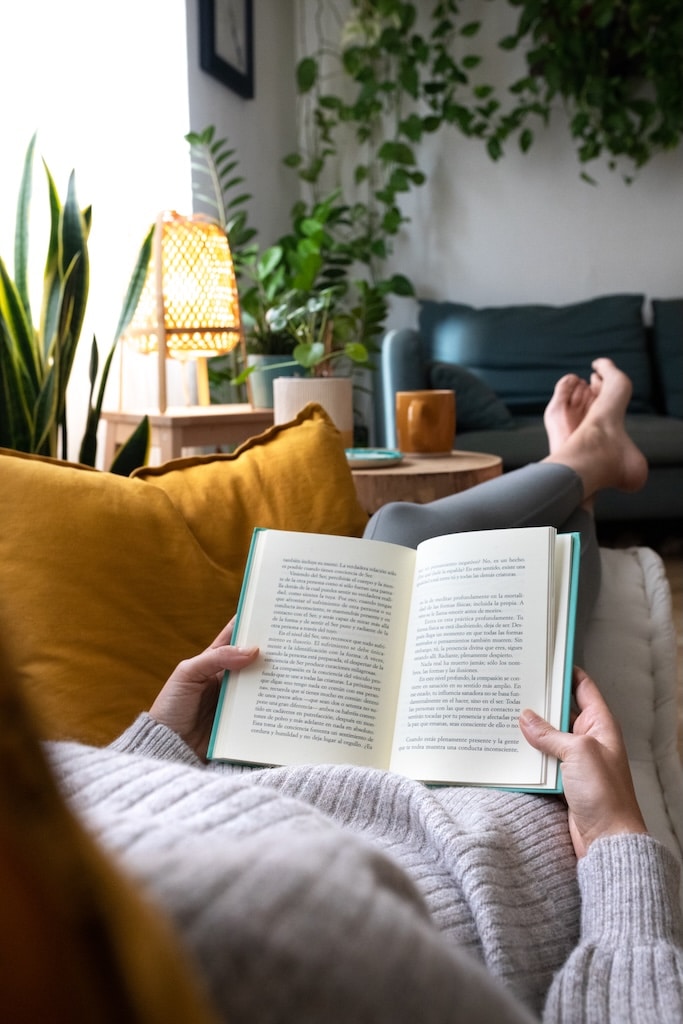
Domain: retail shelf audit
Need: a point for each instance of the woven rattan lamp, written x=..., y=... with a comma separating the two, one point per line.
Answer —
x=189, y=307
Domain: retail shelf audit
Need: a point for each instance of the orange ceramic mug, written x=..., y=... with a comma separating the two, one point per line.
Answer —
x=425, y=422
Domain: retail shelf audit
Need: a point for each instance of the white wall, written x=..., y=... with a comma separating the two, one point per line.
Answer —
x=529, y=229
x=261, y=130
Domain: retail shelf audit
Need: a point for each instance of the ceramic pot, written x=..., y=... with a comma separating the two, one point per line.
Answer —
x=335, y=394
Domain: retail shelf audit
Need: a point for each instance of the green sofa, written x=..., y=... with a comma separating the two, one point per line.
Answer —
x=503, y=362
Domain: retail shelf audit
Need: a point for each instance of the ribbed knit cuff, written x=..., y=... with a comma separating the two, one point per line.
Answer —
x=629, y=888
x=149, y=737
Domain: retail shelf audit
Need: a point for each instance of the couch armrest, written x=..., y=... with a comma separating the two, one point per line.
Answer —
x=403, y=368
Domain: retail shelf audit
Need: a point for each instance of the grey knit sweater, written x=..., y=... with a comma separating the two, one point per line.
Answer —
x=333, y=894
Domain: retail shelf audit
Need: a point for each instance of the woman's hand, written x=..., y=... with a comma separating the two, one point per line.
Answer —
x=595, y=771
x=187, y=701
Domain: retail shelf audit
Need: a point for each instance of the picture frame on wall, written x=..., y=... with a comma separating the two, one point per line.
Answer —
x=226, y=43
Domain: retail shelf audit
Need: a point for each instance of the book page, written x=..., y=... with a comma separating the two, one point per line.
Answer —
x=567, y=557
x=329, y=615
x=478, y=652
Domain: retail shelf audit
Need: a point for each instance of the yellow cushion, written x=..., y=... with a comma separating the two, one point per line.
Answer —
x=107, y=582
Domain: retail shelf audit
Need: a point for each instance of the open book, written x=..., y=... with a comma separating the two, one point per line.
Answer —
x=415, y=661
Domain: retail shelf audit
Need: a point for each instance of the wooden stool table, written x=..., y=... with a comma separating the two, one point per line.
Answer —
x=187, y=427
x=424, y=478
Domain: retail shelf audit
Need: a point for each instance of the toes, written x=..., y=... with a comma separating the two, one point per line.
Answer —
x=565, y=387
x=603, y=365
x=579, y=394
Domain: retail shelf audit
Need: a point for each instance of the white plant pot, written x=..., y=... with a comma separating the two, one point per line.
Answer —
x=335, y=394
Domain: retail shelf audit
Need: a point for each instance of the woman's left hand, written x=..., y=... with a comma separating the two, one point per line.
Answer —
x=187, y=701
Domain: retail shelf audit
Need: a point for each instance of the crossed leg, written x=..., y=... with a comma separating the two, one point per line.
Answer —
x=589, y=450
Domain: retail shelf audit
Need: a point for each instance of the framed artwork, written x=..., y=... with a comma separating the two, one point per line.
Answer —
x=226, y=43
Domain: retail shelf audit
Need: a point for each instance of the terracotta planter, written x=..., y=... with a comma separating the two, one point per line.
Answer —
x=335, y=394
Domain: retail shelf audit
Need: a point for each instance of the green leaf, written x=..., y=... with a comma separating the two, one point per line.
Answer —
x=269, y=260
x=309, y=355
x=47, y=413
x=18, y=326
x=412, y=127
x=494, y=148
x=399, y=284
x=306, y=74
x=16, y=404
x=75, y=272
x=526, y=140
x=399, y=181
x=396, y=153
x=135, y=452
x=410, y=80
x=21, y=230
x=470, y=29
x=356, y=351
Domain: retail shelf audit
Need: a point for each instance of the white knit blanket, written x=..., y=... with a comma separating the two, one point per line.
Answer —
x=631, y=652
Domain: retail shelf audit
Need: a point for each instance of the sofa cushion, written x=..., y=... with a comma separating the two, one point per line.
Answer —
x=660, y=438
x=667, y=330
x=107, y=582
x=476, y=406
x=520, y=351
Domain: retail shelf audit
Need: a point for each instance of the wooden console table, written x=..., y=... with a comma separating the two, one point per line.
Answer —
x=187, y=427
x=424, y=479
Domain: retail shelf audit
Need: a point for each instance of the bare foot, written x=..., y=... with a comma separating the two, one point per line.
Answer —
x=599, y=449
x=571, y=400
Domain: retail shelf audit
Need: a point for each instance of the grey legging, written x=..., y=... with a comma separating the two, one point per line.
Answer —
x=541, y=494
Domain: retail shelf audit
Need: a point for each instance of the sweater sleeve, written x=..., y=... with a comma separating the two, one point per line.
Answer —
x=628, y=966
x=149, y=737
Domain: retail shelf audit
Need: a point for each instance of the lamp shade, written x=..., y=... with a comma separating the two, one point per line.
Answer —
x=189, y=305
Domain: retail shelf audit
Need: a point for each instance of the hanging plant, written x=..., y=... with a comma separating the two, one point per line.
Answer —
x=617, y=67
x=380, y=77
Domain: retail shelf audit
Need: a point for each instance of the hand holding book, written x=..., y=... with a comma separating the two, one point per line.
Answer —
x=419, y=662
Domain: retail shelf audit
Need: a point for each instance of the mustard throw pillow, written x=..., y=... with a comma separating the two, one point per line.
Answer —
x=107, y=582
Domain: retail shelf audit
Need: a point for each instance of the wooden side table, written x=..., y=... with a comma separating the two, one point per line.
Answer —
x=187, y=427
x=424, y=479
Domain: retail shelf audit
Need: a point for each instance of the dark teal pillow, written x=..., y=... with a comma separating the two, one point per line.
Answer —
x=667, y=331
x=476, y=406
x=521, y=351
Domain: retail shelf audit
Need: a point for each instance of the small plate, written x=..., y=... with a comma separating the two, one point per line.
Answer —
x=373, y=458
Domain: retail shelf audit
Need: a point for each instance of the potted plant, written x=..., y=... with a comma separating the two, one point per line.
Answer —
x=262, y=275
x=36, y=358
x=268, y=349
x=302, y=314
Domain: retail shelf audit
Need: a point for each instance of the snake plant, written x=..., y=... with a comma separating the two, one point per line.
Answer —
x=37, y=354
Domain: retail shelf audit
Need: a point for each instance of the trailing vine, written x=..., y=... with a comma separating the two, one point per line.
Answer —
x=381, y=74
x=617, y=66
